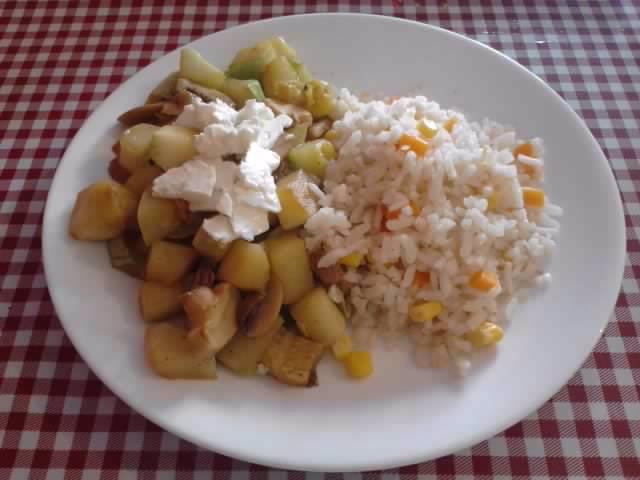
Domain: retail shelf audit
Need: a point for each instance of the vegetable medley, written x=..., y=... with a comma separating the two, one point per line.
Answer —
x=258, y=306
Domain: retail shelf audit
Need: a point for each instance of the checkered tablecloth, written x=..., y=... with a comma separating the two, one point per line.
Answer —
x=58, y=62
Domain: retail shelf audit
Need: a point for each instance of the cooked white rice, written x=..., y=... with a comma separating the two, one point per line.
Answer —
x=453, y=235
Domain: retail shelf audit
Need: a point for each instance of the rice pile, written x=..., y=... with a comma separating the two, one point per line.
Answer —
x=443, y=226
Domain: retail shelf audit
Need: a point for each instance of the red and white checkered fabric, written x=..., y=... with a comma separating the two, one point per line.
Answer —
x=59, y=60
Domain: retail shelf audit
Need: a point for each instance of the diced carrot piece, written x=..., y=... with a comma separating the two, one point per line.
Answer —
x=415, y=144
x=532, y=197
x=421, y=279
x=484, y=281
x=524, y=149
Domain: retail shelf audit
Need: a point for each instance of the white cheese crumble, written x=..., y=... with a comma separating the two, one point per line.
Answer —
x=244, y=193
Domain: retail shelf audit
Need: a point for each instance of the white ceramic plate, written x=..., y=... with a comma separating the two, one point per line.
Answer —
x=402, y=415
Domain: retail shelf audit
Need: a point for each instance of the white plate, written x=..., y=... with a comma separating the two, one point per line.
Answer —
x=402, y=415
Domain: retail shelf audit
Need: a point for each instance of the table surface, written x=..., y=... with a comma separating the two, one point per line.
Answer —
x=57, y=420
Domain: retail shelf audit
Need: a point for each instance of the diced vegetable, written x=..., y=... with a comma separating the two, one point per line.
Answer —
x=102, y=211
x=251, y=62
x=425, y=311
x=290, y=263
x=352, y=260
x=212, y=314
x=242, y=90
x=303, y=74
x=427, y=128
x=242, y=354
x=421, y=279
x=195, y=68
x=209, y=247
x=157, y=217
x=169, y=262
x=524, y=149
x=171, y=146
x=280, y=81
x=358, y=365
x=312, y=157
x=124, y=257
x=318, y=317
x=533, y=197
x=282, y=48
x=159, y=302
x=142, y=179
x=483, y=281
x=487, y=334
x=415, y=144
x=331, y=135
x=492, y=202
x=173, y=355
x=297, y=202
x=318, y=98
x=342, y=347
x=292, y=359
x=246, y=266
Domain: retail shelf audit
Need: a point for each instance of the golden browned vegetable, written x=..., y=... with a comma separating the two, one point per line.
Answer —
x=197, y=69
x=207, y=246
x=318, y=98
x=292, y=359
x=171, y=146
x=289, y=262
x=259, y=311
x=242, y=354
x=318, y=317
x=173, y=355
x=158, y=302
x=212, y=314
x=102, y=211
x=246, y=266
x=168, y=262
x=142, y=179
x=135, y=144
x=157, y=217
x=281, y=81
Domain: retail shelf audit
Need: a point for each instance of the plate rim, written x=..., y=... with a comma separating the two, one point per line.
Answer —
x=255, y=456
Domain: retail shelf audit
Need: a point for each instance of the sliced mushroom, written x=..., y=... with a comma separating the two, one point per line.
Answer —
x=164, y=90
x=117, y=172
x=212, y=313
x=184, y=98
x=206, y=94
x=299, y=114
x=258, y=312
x=319, y=128
x=141, y=114
x=172, y=109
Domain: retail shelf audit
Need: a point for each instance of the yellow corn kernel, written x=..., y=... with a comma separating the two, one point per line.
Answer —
x=484, y=281
x=417, y=145
x=342, y=347
x=486, y=334
x=425, y=311
x=427, y=128
x=421, y=279
x=331, y=135
x=524, y=149
x=492, y=202
x=532, y=197
x=448, y=125
x=352, y=260
x=358, y=364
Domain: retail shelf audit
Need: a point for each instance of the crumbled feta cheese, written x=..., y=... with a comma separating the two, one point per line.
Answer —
x=200, y=114
x=248, y=221
x=257, y=186
x=255, y=122
x=219, y=228
x=193, y=181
